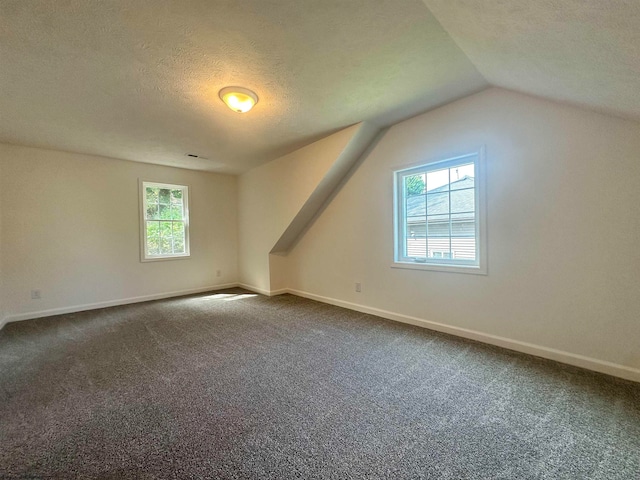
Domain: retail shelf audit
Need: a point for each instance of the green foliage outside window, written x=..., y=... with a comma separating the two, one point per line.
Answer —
x=414, y=185
x=165, y=221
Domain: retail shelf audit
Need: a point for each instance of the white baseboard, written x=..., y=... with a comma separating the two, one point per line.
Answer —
x=262, y=291
x=582, y=361
x=280, y=291
x=577, y=360
x=110, y=303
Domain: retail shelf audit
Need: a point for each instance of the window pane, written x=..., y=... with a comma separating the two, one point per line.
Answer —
x=165, y=195
x=165, y=246
x=437, y=215
x=463, y=200
x=439, y=247
x=152, y=212
x=417, y=247
x=438, y=179
x=417, y=229
x=165, y=237
x=165, y=229
x=176, y=212
x=152, y=238
x=416, y=226
x=178, y=237
x=464, y=248
x=463, y=225
x=415, y=206
x=415, y=232
x=153, y=227
x=438, y=226
x=176, y=196
x=165, y=212
x=414, y=185
x=437, y=203
x=152, y=195
x=462, y=176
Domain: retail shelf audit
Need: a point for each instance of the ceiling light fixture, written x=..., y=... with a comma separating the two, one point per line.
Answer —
x=238, y=99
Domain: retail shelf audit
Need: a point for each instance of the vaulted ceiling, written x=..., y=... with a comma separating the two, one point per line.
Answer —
x=140, y=80
x=584, y=52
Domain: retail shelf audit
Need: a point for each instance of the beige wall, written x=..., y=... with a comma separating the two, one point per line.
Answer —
x=70, y=228
x=563, y=227
x=270, y=196
x=564, y=267
x=2, y=300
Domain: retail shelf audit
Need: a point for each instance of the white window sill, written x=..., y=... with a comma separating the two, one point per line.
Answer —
x=162, y=259
x=469, y=269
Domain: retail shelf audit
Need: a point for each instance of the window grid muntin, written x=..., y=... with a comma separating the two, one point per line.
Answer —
x=402, y=219
x=168, y=202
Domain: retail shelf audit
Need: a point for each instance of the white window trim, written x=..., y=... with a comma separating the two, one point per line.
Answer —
x=481, y=215
x=144, y=256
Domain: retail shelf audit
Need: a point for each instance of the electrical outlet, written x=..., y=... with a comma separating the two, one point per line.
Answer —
x=358, y=287
x=218, y=273
x=36, y=295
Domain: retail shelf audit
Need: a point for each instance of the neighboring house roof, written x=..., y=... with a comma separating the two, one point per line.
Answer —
x=461, y=200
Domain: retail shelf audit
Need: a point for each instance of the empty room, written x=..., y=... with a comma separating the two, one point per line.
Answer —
x=333, y=239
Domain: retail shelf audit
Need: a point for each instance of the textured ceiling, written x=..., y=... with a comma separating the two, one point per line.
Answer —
x=586, y=52
x=140, y=80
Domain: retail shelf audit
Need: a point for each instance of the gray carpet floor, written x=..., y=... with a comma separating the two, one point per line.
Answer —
x=234, y=385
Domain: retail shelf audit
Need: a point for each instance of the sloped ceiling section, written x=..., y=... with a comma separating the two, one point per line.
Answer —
x=347, y=159
x=140, y=80
x=585, y=52
x=271, y=196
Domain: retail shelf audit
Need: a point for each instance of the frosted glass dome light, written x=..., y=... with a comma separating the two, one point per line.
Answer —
x=238, y=99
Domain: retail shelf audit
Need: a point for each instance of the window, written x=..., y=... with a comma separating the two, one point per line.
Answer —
x=438, y=254
x=165, y=221
x=439, y=216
